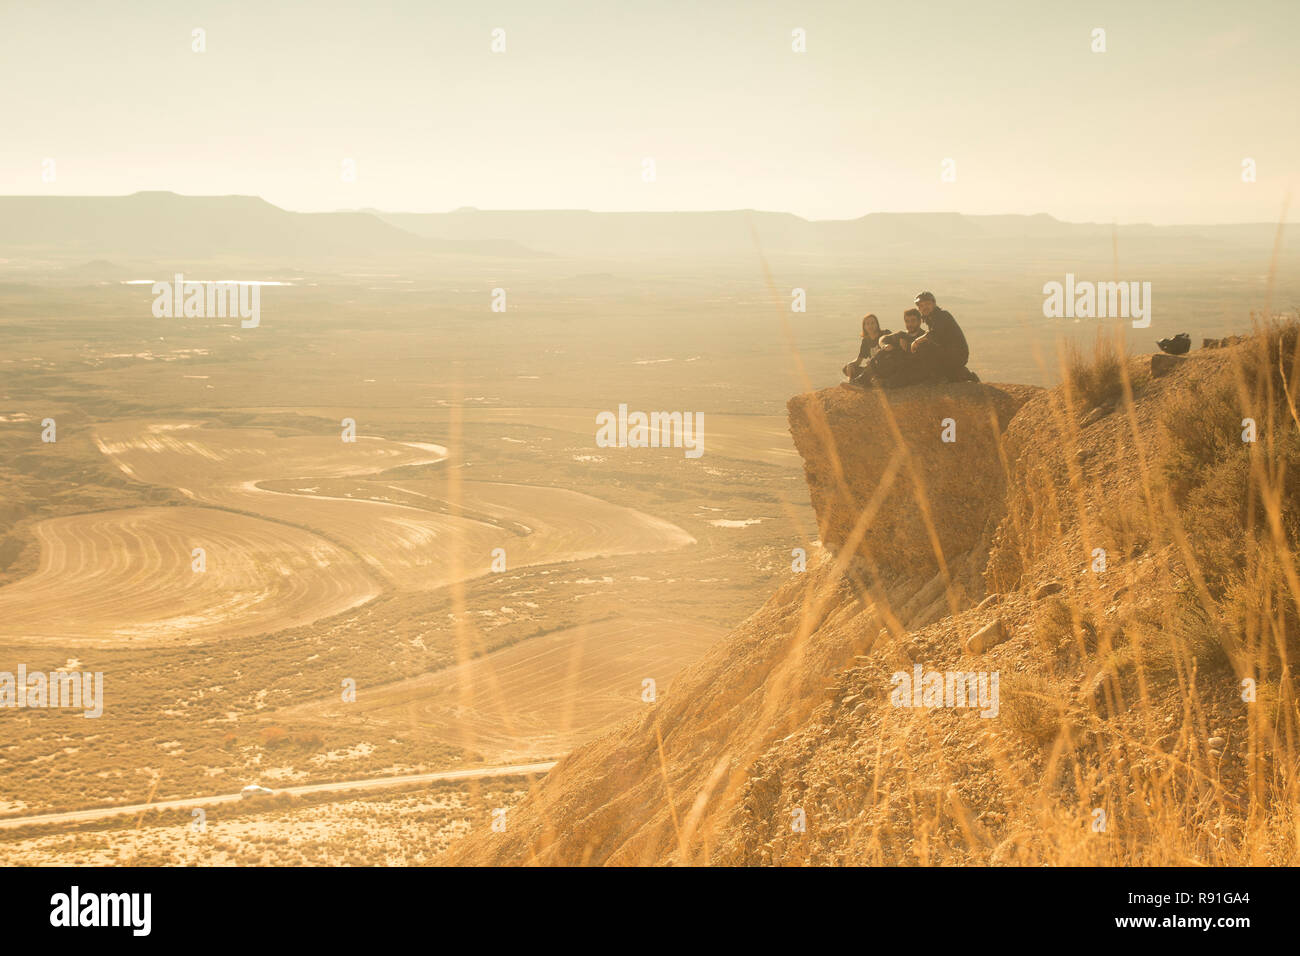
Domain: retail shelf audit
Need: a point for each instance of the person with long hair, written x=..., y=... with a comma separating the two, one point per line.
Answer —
x=871, y=335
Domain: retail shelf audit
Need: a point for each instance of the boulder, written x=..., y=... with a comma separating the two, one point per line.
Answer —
x=848, y=438
x=1162, y=364
x=1096, y=415
x=991, y=635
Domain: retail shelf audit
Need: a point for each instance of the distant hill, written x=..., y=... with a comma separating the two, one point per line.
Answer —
x=741, y=232
x=164, y=225
x=153, y=225
x=96, y=269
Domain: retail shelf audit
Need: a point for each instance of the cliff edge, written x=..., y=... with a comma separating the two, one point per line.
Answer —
x=1138, y=543
x=907, y=479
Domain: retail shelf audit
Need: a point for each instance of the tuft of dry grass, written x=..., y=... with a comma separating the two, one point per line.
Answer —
x=1094, y=379
x=1034, y=707
x=274, y=737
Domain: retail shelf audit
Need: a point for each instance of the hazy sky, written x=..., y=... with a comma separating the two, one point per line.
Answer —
x=1154, y=129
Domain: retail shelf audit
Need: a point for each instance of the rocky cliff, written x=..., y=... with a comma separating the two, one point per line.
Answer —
x=1114, y=730
x=912, y=481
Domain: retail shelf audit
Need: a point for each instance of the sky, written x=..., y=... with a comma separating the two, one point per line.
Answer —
x=1154, y=129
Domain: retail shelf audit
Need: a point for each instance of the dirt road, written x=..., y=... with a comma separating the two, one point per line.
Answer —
x=373, y=783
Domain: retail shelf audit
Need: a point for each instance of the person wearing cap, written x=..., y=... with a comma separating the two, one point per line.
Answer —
x=942, y=349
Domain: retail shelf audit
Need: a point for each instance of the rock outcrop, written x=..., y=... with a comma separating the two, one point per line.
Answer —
x=905, y=478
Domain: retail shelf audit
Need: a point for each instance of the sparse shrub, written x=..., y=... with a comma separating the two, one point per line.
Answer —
x=274, y=737
x=308, y=740
x=1033, y=707
x=1169, y=644
x=1200, y=426
x=1056, y=621
x=1094, y=379
x=1052, y=622
x=1125, y=525
x=279, y=738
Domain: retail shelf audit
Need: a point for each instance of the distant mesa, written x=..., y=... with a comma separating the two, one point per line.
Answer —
x=96, y=269
x=165, y=225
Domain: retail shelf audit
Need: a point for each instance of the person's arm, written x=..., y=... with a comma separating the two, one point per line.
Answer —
x=942, y=331
x=916, y=344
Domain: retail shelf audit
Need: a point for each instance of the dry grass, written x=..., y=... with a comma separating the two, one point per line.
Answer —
x=1034, y=707
x=1134, y=736
x=1192, y=771
x=1093, y=379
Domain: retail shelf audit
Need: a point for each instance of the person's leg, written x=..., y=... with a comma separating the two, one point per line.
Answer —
x=935, y=364
x=920, y=368
x=905, y=369
x=892, y=366
x=953, y=365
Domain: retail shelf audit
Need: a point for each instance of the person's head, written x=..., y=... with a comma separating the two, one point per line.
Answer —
x=912, y=319
x=871, y=327
x=925, y=302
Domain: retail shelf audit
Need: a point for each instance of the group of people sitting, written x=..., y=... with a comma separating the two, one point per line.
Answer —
x=912, y=356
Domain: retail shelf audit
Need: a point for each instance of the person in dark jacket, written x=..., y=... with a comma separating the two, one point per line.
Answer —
x=871, y=335
x=942, y=350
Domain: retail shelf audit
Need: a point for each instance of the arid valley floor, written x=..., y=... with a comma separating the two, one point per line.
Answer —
x=329, y=561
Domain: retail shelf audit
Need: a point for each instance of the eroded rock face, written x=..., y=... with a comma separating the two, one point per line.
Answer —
x=906, y=475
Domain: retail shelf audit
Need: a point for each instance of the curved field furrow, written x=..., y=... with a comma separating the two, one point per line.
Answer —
x=126, y=575
x=413, y=547
x=117, y=576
